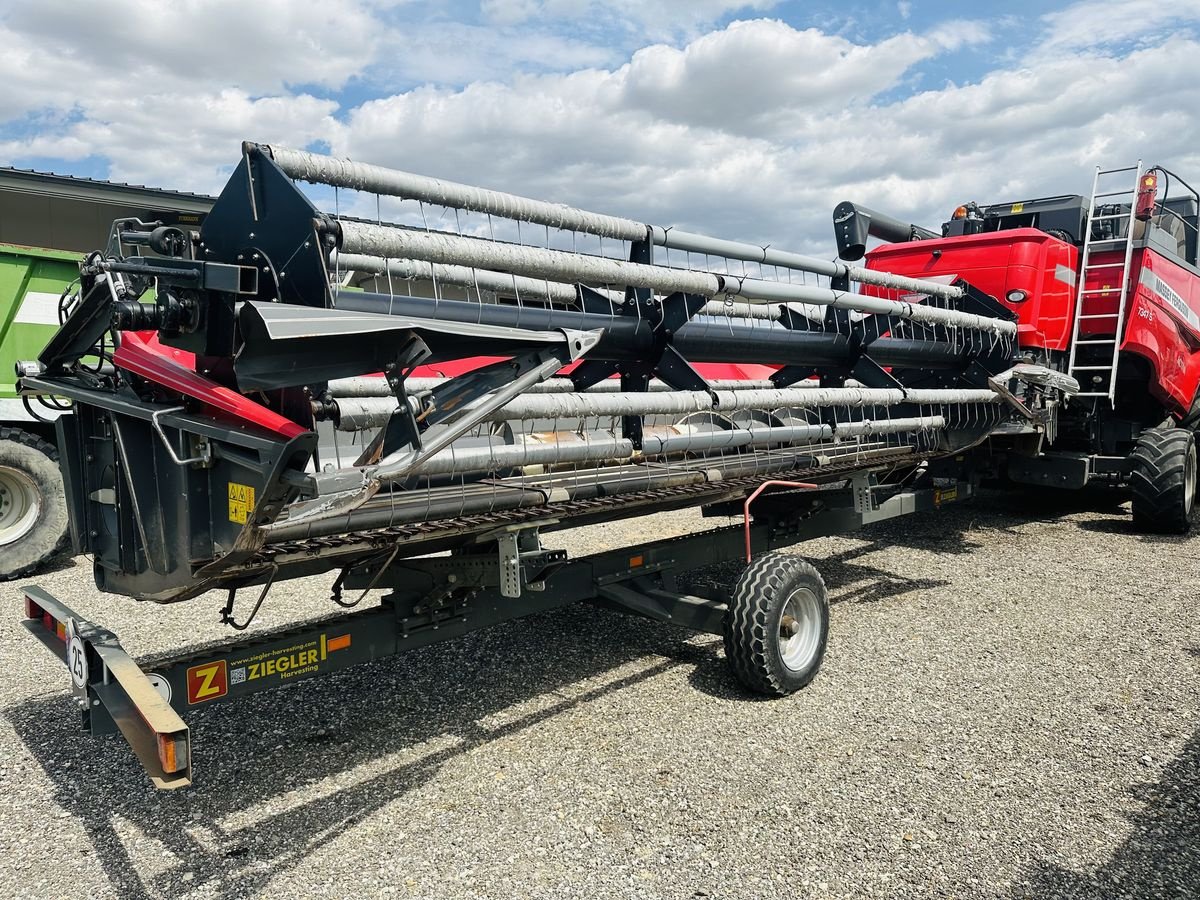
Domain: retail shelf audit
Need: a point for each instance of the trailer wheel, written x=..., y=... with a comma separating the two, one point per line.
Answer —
x=777, y=625
x=1164, y=480
x=33, y=508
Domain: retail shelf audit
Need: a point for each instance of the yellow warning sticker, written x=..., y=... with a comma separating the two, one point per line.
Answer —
x=241, y=502
x=1018, y=207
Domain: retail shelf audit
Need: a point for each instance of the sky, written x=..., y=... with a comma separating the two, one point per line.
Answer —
x=747, y=120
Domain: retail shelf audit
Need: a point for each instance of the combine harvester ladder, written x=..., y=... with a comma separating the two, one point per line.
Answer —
x=1114, y=217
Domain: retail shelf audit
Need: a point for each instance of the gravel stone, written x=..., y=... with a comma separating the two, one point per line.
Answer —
x=1010, y=707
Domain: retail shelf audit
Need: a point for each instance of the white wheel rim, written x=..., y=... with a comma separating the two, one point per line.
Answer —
x=1189, y=481
x=20, y=505
x=799, y=629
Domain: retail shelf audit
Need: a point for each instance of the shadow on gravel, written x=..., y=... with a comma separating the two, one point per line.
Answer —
x=1027, y=504
x=1125, y=527
x=1162, y=856
x=283, y=773
x=872, y=584
x=278, y=774
x=58, y=564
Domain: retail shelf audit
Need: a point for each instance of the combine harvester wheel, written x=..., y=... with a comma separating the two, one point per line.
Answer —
x=1164, y=480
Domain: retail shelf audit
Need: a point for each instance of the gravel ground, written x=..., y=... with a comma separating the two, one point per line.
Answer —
x=1010, y=707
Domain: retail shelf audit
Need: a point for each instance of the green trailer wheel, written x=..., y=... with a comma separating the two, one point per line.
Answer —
x=33, y=510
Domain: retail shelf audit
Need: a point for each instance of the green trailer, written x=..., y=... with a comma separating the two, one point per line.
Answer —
x=33, y=513
x=73, y=215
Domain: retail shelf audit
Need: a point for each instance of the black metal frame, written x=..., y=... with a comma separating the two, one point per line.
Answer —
x=433, y=599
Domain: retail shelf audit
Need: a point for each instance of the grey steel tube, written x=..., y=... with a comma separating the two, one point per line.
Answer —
x=464, y=276
x=538, y=262
x=320, y=169
x=767, y=256
x=666, y=442
x=361, y=413
x=869, y=427
x=607, y=448
x=366, y=386
x=517, y=285
x=679, y=403
x=466, y=460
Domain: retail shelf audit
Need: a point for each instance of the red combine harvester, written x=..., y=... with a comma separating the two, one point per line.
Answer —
x=1107, y=291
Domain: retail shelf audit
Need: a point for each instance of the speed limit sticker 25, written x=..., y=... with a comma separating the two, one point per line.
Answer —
x=76, y=658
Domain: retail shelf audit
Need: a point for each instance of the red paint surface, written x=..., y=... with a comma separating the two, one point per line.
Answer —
x=145, y=357
x=1030, y=260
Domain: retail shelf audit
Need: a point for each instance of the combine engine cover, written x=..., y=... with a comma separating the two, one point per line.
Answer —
x=1107, y=292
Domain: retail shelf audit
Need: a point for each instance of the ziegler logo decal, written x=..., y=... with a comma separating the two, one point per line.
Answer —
x=207, y=682
x=945, y=495
x=210, y=680
x=283, y=663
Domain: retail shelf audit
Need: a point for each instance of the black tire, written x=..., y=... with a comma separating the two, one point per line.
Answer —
x=755, y=646
x=1163, y=480
x=33, y=508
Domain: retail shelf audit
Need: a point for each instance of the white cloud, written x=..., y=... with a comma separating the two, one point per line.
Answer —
x=133, y=47
x=167, y=91
x=667, y=139
x=1094, y=23
x=754, y=131
x=199, y=148
x=656, y=15
x=454, y=53
x=759, y=77
x=956, y=33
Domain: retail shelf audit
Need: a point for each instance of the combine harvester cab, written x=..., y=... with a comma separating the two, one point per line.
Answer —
x=544, y=368
x=1107, y=292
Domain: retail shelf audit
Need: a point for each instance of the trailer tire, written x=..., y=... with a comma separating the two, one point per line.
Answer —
x=33, y=506
x=1163, y=480
x=777, y=625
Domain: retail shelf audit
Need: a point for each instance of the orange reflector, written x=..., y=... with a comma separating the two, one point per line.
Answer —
x=172, y=753
x=635, y=561
x=341, y=642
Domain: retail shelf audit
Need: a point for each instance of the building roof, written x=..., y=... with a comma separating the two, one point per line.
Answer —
x=73, y=187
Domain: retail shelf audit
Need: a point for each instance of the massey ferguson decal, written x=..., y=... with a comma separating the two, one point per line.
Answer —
x=1170, y=298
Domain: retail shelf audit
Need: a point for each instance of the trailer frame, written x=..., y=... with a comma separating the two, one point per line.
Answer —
x=505, y=576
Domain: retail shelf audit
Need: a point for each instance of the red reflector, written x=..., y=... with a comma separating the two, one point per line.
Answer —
x=341, y=642
x=32, y=610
